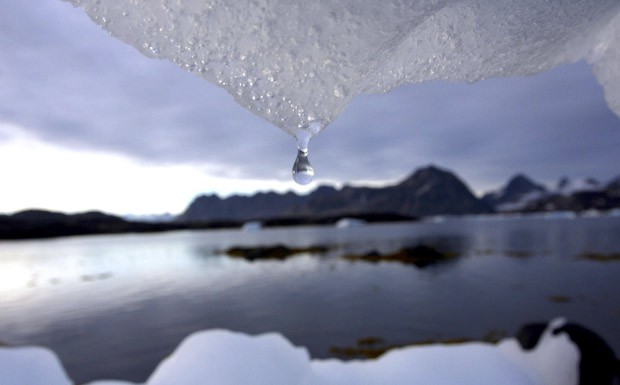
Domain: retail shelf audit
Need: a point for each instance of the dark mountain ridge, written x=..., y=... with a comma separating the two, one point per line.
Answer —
x=241, y=208
x=428, y=191
x=36, y=223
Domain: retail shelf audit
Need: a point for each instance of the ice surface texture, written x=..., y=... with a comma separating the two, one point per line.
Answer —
x=223, y=357
x=298, y=62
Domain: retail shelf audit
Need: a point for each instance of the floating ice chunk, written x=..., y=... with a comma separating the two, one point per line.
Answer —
x=252, y=226
x=345, y=223
x=299, y=63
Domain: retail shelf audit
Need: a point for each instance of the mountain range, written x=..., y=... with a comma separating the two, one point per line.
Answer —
x=429, y=191
x=522, y=194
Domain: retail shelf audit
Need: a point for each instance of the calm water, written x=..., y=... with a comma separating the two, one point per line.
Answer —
x=114, y=306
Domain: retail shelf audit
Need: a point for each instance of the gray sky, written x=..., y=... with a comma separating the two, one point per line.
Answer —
x=88, y=121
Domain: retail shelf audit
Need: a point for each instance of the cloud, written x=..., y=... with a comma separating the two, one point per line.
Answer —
x=79, y=86
x=555, y=122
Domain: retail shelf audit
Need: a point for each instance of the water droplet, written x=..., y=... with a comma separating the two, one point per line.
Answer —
x=303, y=172
x=303, y=139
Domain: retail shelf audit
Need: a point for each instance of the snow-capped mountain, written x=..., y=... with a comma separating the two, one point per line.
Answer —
x=568, y=186
x=524, y=195
x=516, y=194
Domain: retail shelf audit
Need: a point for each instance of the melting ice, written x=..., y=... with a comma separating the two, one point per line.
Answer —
x=223, y=357
x=300, y=62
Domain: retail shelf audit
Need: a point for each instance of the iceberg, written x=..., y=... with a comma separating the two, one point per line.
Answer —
x=559, y=353
x=298, y=64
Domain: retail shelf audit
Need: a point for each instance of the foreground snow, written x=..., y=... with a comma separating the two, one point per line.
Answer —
x=225, y=357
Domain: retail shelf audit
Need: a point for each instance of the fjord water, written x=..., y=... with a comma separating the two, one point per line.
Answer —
x=114, y=306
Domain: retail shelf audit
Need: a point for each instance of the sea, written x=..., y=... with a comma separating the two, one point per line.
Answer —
x=114, y=306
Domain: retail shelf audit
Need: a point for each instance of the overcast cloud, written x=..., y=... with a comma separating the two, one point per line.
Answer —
x=69, y=83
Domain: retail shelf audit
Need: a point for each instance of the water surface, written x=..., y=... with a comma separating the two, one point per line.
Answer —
x=114, y=306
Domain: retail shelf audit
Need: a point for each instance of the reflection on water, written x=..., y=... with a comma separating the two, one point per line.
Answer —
x=114, y=306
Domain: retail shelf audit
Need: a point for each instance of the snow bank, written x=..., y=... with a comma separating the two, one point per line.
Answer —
x=31, y=366
x=299, y=63
x=224, y=357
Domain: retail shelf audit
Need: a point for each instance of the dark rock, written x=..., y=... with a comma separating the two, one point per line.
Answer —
x=368, y=348
x=279, y=252
x=421, y=256
x=597, y=364
x=529, y=335
x=597, y=257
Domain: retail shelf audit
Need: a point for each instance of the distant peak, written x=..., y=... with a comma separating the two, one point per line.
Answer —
x=567, y=186
x=431, y=168
x=520, y=177
x=519, y=190
x=522, y=183
x=427, y=171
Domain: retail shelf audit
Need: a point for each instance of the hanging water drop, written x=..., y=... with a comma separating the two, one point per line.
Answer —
x=303, y=172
